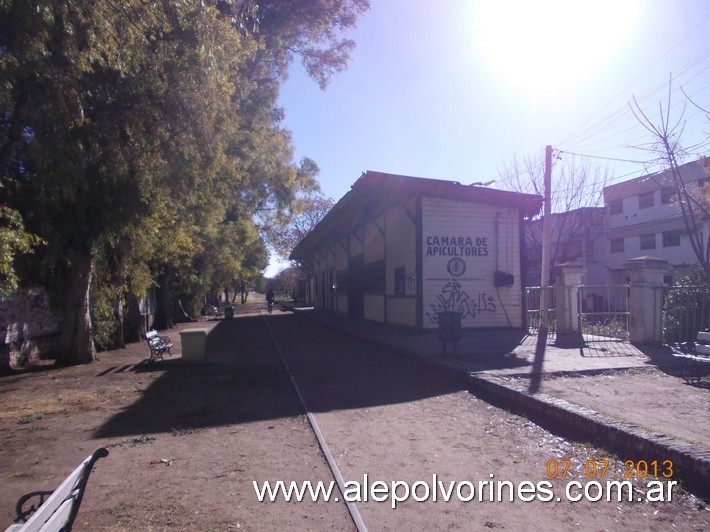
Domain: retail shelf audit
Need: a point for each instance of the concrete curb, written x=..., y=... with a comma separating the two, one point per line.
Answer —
x=628, y=441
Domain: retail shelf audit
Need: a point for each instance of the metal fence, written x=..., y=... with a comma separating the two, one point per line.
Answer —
x=533, y=295
x=686, y=310
x=604, y=310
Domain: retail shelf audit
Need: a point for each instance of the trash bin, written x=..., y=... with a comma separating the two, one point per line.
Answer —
x=449, y=326
x=193, y=343
x=228, y=312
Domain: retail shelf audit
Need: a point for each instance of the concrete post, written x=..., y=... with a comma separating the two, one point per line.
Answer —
x=646, y=298
x=566, y=298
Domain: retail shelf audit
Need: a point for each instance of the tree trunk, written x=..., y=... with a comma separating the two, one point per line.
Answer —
x=117, y=339
x=133, y=326
x=163, y=311
x=77, y=344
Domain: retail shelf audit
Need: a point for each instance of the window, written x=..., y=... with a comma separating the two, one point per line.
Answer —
x=668, y=280
x=399, y=281
x=648, y=241
x=667, y=195
x=671, y=238
x=375, y=277
x=617, y=245
x=646, y=200
x=616, y=207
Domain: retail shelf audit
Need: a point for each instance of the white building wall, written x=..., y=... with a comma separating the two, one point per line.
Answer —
x=374, y=307
x=464, y=244
x=356, y=243
x=655, y=218
x=401, y=252
x=374, y=241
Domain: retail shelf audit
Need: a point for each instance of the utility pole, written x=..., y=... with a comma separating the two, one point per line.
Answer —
x=545, y=273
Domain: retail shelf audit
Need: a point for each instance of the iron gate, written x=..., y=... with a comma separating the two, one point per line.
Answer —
x=604, y=310
x=533, y=295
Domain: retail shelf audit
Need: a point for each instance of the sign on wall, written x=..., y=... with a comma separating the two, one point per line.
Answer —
x=463, y=247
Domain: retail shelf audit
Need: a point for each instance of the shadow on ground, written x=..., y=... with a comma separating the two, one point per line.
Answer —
x=243, y=378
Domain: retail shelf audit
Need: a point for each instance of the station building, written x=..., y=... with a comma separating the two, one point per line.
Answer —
x=400, y=250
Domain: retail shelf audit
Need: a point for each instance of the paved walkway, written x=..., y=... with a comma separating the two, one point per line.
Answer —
x=511, y=353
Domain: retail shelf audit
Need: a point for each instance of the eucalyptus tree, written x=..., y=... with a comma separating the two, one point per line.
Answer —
x=113, y=113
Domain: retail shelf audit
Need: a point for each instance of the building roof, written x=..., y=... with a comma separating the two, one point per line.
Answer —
x=374, y=193
x=692, y=171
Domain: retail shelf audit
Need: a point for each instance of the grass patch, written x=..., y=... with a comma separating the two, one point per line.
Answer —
x=28, y=408
x=29, y=418
x=140, y=440
x=183, y=432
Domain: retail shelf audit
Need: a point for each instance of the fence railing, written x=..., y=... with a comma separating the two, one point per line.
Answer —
x=533, y=295
x=604, y=310
x=686, y=310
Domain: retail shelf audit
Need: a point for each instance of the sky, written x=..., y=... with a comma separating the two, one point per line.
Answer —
x=459, y=89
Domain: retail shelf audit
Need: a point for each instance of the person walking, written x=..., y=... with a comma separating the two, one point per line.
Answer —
x=270, y=299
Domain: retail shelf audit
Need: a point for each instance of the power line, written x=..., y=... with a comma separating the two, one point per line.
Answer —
x=604, y=158
x=623, y=91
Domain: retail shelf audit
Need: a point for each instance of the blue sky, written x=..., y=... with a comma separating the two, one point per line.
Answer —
x=456, y=89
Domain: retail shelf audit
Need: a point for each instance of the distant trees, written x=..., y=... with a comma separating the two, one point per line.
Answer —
x=139, y=141
x=305, y=213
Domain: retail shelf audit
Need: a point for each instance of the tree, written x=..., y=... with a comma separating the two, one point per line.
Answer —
x=576, y=198
x=112, y=112
x=14, y=241
x=304, y=214
x=692, y=203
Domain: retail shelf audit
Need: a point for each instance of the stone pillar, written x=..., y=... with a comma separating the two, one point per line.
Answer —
x=646, y=298
x=566, y=298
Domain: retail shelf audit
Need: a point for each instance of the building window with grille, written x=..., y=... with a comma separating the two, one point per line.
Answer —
x=648, y=241
x=616, y=207
x=617, y=245
x=646, y=200
x=667, y=195
x=671, y=238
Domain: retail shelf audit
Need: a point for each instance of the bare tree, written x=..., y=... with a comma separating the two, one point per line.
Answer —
x=306, y=212
x=692, y=202
x=576, y=203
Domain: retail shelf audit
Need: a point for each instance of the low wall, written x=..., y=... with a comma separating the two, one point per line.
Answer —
x=29, y=329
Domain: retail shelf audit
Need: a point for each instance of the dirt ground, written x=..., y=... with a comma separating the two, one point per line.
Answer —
x=187, y=441
x=648, y=397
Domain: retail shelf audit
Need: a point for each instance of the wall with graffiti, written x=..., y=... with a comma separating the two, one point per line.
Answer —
x=471, y=263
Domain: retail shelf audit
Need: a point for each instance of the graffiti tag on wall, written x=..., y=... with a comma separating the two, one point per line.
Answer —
x=452, y=298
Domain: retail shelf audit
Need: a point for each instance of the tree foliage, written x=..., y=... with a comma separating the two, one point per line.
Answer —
x=138, y=137
x=687, y=308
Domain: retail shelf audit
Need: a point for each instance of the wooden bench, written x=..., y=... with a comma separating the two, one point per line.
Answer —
x=55, y=510
x=158, y=345
x=696, y=364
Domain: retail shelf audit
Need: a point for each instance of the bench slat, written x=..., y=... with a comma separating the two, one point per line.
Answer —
x=56, y=521
x=702, y=349
x=44, y=512
x=58, y=511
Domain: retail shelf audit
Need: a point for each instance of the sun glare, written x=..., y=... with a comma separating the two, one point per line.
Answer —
x=551, y=46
